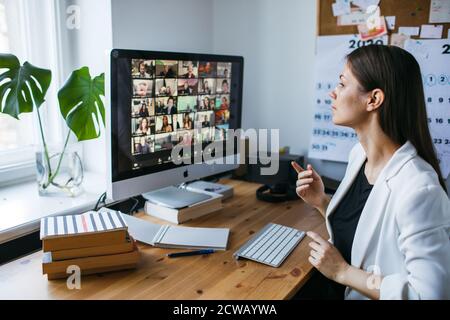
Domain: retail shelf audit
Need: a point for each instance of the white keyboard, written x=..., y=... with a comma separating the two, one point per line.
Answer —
x=271, y=245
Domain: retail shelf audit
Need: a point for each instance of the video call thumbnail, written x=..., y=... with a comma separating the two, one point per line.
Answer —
x=143, y=107
x=224, y=69
x=206, y=103
x=223, y=101
x=207, y=69
x=142, y=145
x=165, y=87
x=188, y=69
x=143, y=68
x=164, y=124
x=187, y=121
x=204, y=119
x=142, y=88
x=187, y=87
x=187, y=104
x=223, y=86
x=142, y=126
x=172, y=98
x=166, y=105
x=166, y=68
x=164, y=141
x=207, y=86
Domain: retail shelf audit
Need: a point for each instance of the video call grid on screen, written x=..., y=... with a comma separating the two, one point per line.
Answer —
x=171, y=97
x=160, y=100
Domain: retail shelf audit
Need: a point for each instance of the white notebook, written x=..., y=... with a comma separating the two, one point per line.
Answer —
x=167, y=236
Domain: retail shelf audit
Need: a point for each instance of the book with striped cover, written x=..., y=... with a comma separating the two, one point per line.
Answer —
x=89, y=229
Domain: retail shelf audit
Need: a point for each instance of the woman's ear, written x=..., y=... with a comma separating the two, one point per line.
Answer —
x=375, y=99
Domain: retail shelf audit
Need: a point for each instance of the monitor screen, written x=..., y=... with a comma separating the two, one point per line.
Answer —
x=160, y=100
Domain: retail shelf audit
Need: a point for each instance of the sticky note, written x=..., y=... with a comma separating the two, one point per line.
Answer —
x=409, y=31
x=341, y=7
x=431, y=32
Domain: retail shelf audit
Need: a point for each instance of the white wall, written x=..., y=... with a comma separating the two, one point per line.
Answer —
x=169, y=25
x=87, y=46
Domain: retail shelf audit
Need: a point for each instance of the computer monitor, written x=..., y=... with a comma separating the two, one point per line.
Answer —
x=159, y=101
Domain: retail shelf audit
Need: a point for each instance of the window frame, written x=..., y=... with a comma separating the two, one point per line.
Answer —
x=39, y=42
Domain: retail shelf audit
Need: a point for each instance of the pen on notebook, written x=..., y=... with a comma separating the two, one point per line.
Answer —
x=190, y=253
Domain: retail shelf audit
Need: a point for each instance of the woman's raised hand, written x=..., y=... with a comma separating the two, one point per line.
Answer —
x=310, y=186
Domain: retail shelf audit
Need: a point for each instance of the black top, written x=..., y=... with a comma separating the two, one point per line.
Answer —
x=345, y=217
x=343, y=221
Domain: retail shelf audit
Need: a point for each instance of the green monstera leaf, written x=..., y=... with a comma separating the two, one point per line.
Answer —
x=21, y=87
x=80, y=103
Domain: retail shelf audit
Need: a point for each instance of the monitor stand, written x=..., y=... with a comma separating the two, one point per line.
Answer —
x=188, y=194
x=175, y=197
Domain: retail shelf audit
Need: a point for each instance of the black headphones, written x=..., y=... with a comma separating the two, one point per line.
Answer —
x=278, y=192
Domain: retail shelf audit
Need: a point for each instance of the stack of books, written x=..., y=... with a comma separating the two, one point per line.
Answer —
x=93, y=241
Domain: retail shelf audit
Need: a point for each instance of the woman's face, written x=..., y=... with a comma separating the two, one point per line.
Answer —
x=170, y=103
x=144, y=123
x=165, y=121
x=348, y=101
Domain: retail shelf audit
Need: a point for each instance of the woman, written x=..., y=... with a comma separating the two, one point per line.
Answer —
x=187, y=122
x=143, y=111
x=166, y=127
x=224, y=103
x=389, y=220
x=206, y=104
x=143, y=127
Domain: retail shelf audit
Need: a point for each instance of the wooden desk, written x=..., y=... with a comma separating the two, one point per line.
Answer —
x=215, y=276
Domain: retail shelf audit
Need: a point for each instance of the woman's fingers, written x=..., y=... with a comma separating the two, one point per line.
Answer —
x=313, y=261
x=297, y=167
x=304, y=181
x=317, y=238
x=302, y=190
x=316, y=255
x=304, y=174
x=313, y=172
x=316, y=247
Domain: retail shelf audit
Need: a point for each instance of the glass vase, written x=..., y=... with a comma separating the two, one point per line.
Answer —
x=59, y=173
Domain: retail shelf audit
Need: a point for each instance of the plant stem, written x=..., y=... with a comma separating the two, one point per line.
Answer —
x=47, y=159
x=52, y=177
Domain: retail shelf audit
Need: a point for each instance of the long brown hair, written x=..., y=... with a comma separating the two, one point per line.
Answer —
x=403, y=114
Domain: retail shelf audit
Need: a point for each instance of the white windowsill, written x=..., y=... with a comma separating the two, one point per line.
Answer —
x=21, y=207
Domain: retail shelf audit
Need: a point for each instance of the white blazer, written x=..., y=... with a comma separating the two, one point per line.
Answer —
x=404, y=229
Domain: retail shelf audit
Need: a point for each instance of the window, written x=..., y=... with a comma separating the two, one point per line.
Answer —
x=25, y=34
x=15, y=135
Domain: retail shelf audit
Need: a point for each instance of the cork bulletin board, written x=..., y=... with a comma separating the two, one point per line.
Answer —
x=409, y=13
